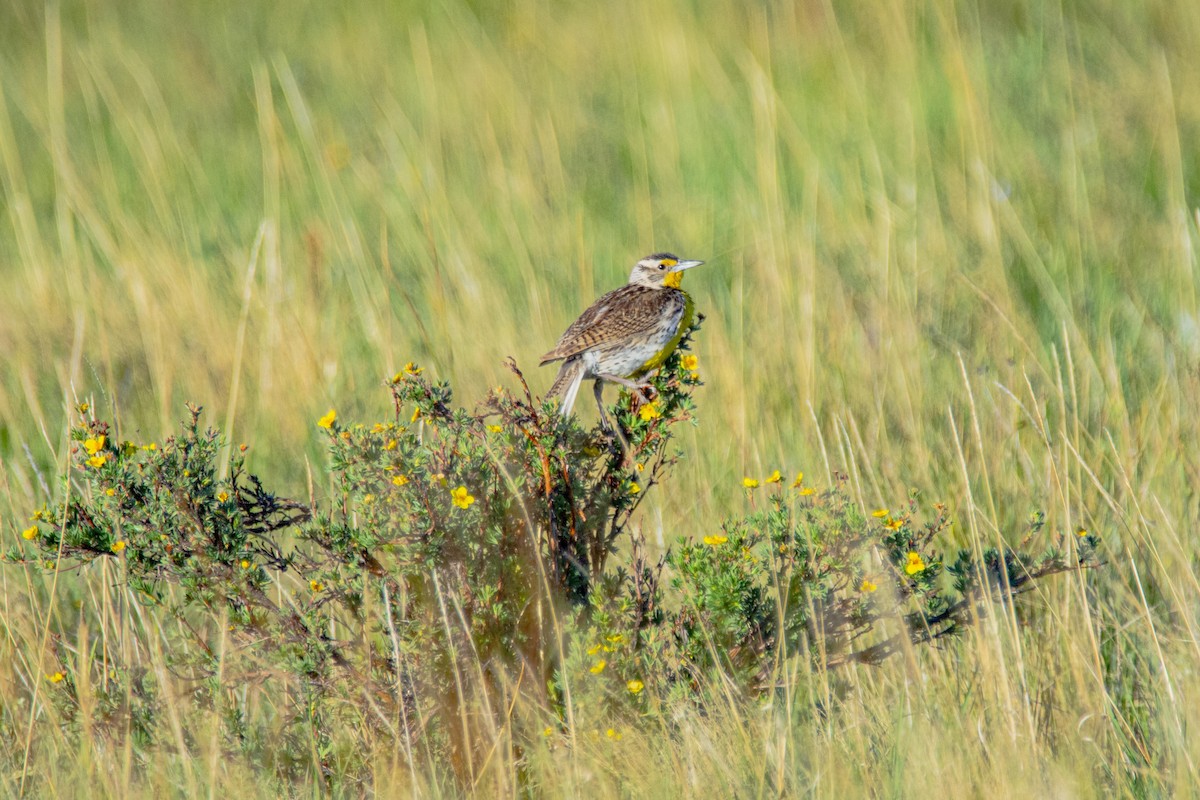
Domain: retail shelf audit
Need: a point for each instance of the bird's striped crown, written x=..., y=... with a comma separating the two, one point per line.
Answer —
x=660, y=271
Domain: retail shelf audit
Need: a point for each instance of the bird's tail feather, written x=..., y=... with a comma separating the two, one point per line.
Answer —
x=566, y=385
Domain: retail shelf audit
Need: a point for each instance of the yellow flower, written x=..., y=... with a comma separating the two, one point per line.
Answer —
x=118, y=545
x=83, y=408
x=153, y=446
x=462, y=498
x=880, y=513
x=807, y=490
x=635, y=686
x=412, y=369
x=775, y=477
x=222, y=497
x=316, y=585
x=495, y=428
x=799, y=480
x=547, y=731
x=400, y=480
x=368, y=499
x=416, y=415
x=639, y=467
x=616, y=638
x=649, y=411
x=690, y=362
x=109, y=492
x=93, y=446
x=598, y=667
x=1081, y=532
x=245, y=564
x=594, y=649
x=327, y=420
x=915, y=564
x=867, y=586
x=391, y=444
x=30, y=532
x=97, y=461
x=713, y=541
x=613, y=734
x=894, y=523
x=56, y=677
x=634, y=488
x=750, y=483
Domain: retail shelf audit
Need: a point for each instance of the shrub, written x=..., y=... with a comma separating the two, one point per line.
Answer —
x=465, y=559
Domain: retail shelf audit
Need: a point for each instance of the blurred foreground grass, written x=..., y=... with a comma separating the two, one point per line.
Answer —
x=950, y=246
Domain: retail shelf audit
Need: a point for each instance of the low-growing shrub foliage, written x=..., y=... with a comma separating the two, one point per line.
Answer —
x=468, y=557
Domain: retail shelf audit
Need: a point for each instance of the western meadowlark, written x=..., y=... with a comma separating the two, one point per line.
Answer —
x=626, y=333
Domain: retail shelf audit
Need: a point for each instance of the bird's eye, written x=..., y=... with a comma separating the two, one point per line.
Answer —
x=662, y=265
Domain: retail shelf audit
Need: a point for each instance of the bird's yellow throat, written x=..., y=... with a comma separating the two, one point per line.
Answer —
x=673, y=279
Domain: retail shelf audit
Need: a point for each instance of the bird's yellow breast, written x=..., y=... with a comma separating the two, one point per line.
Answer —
x=685, y=322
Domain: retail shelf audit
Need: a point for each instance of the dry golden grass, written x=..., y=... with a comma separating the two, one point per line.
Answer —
x=950, y=246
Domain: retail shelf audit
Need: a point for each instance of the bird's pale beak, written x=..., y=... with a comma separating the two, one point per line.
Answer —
x=682, y=265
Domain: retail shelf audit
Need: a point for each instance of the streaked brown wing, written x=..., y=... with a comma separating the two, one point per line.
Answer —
x=618, y=315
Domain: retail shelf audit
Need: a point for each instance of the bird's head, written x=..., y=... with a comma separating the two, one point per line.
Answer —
x=660, y=271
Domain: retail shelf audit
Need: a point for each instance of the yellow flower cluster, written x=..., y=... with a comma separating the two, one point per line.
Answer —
x=327, y=421
x=94, y=446
x=716, y=539
x=798, y=483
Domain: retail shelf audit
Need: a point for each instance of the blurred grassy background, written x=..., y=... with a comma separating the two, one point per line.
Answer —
x=951, y=246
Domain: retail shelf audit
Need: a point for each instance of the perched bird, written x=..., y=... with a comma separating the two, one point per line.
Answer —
x=626, y=333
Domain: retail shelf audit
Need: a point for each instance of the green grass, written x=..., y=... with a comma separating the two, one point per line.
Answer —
x=951, y=247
